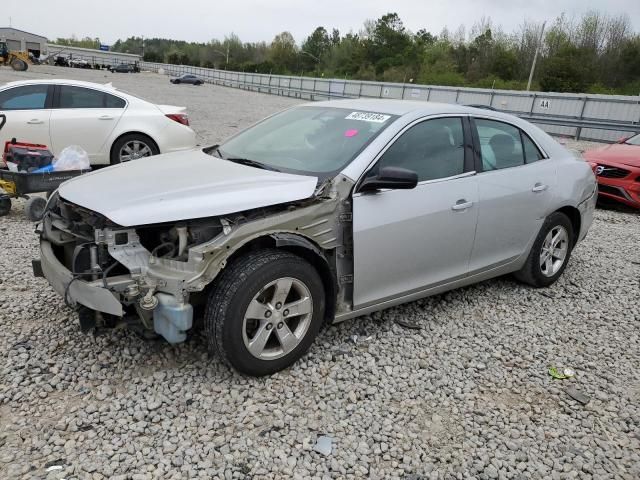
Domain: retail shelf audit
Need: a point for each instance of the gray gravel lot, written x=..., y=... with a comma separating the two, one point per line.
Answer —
x=467, y=396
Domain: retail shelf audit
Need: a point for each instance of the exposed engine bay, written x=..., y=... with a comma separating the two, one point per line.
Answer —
x=159, y=273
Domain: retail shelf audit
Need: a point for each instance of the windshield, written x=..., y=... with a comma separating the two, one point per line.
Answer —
x=317, y=141
x=635, y=140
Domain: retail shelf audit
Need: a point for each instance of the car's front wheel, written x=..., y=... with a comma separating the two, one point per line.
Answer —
x=132, y=147
x=264, y=311
x=550, y=252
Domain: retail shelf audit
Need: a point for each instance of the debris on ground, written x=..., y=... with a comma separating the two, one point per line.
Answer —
x=343, y=350
x=55, y=464
x=561, y=374
x=577, y=395
x=323, y=445
x=410, y=324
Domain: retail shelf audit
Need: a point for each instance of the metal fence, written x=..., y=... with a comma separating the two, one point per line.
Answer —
x=590, y=117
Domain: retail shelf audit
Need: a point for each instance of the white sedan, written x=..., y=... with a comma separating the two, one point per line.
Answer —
x=112, y=126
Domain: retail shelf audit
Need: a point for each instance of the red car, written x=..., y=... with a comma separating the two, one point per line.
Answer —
x=617, y=168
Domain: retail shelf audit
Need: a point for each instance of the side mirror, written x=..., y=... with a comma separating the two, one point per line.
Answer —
x=622, y=139
x=394, y=178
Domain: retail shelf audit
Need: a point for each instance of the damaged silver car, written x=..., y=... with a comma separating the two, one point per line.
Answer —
x=317, y=214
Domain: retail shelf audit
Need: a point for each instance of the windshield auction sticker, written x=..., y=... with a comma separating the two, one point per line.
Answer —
x=368, y=117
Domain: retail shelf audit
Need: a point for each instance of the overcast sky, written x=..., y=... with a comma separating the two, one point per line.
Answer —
x=256, y=20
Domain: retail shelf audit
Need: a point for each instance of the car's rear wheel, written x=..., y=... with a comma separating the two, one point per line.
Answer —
x=550, y=252
x=132, y=147
x=264, y=311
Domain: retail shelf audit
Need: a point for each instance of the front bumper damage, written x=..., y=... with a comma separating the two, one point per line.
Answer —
x=160, y=291
x=92, y=295
x=171, y=317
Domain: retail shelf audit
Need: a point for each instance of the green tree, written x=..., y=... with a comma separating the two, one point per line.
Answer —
x=314, y=48
x=284, y=52
x=566, y=71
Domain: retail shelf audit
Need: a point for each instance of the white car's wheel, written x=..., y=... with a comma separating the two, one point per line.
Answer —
x=132, y=147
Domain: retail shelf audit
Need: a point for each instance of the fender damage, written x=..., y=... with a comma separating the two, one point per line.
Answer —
x=158, y=273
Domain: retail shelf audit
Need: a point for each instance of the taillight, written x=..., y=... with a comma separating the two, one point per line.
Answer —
x=181, y=118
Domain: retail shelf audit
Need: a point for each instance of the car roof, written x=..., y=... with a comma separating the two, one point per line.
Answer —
x=404, y=107
x=79, y=83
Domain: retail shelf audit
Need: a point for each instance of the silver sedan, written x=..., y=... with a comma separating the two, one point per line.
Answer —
x=320, y=213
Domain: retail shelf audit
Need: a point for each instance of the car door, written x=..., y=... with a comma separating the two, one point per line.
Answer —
x=85, y=117
x=515, y=185
x=408, y=240
x=28, y=110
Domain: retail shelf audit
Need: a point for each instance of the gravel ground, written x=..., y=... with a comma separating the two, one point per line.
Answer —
x=466, y=396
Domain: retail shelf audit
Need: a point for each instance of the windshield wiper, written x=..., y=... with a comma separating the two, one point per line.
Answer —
x=252, y=163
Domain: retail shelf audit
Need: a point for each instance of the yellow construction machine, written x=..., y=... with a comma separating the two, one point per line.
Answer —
x=19, y=61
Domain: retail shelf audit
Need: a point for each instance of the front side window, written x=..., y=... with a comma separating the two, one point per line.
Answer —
x=433, y=149
x=318, y=141
x=79, y=97
x=28, y=97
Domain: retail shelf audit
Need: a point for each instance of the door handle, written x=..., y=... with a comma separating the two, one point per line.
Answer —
x=539, y=187
x=35, y=121
x=106, y=117
x=461, y=205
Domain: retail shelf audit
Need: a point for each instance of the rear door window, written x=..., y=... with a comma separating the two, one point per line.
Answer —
x=500, y=145
x=79, y=97
x=27, y=97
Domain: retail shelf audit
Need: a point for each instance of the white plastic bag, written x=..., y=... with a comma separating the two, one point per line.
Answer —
x=72, y=158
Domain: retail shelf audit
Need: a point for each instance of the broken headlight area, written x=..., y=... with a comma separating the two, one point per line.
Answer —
x=147, y=268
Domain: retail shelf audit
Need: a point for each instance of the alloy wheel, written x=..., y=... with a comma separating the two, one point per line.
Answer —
x=277, y=318
x=554, y=251
x=133, y=150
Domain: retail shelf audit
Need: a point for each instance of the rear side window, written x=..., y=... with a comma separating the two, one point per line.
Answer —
x=111, y=101
x=28, y=97
x=79, y=97
x=531, y=152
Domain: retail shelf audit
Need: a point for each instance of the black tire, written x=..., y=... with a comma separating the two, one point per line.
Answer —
x=5, y=205
x=131, y=137
x=176, y=82
x=198, y=83
x=236, y=287
x=34, y=209
x=531, y=272
x=19, y=65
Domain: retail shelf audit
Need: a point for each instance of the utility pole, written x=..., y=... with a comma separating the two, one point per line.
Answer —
x=535, y=57
x=142, y=47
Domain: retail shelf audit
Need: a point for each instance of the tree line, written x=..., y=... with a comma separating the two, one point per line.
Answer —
x=595, y=53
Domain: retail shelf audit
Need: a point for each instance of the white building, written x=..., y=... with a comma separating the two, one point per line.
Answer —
x=94, y=57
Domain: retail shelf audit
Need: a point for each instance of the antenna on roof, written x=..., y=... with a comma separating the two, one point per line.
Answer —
x=9, y=22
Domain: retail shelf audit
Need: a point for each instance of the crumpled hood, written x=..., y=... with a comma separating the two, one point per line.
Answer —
x=181, y=186
x=617, y=152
